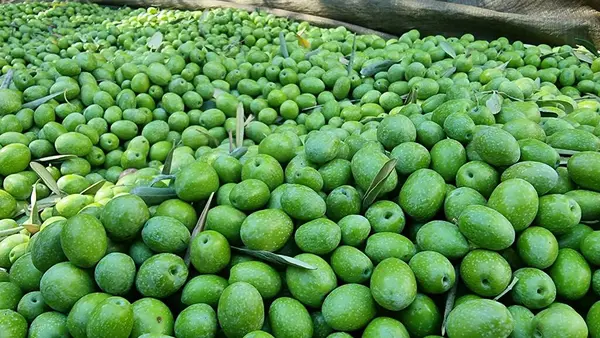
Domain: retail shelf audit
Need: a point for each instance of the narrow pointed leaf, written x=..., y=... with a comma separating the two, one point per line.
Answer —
x=344, y=61
x=537, y=82
x=563, y=161
x=166, y=170
x=566, y=152
x=371, y=119
x=411, y=97
x=56, y=158
x=275, y=258
x=311, y=53
x=283, y=46
x=239, y=152
x=159, y=178
x=450, y=302
x=552, y=112
x=508, y=288
x=248, y=120
x=48, y=202
x=155, y=41
x=230, y=138
x=567, y=106
x=583, y=57
x=218, y=92
x=588, y=45
x=34, y=215
x=199, y=227
x=153, y=195
x=239, y=125
x=504, y=65
x=7, y=79
x=302, y=41
x=378, y=182
x=11, y=231
x=446, y=47
x=352, y=55
x=449, y=72
x=36, y=103
x=494, y=103
x=93, y=189
x=376, y=67
x=31, y=228
x=211, y=139
x=49, y=181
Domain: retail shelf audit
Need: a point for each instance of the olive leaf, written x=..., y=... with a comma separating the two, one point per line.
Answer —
x=506, y=95
x=166, y=170
x=11, y=231
x=199, y=227
x=36, y=103
x=201, y=21
x=449, y=72
x=563, y=161
x=552, y=112
x=583, y=57
x=283, y=46
x=565, y=105
x=210, y=138
x=508, y=288
x=301, y=40
x=378, y=182
x=371, y=119
x=159, y=178
x=32, y=228
x=155, y=41
x=311, y=53
x=352, y=56
x=504, y=65
x=230, y=139
x=239, y=152
x=248, y=120
x=588, y=45
x=218, y=92
x=41, y=171
x=344, y=61
x=411, y=97
x=153, y=195
x=377, y=66
x=448, y=49
x=537, y=82
x=450, y=302
x=48, y=202
x=239, y=125
x=494, y=103
x=34, y=214
x=7, y=79
x=275, y=258
x=566, y=152
x=93, y=189
x=56, y=158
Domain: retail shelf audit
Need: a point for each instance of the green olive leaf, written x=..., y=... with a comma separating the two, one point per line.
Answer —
x=411, y=97
x=352, y=56
x=504, y=65
x=566, y=152
x=537, y=82
x=11, y=231
x=283, y=46
x=155, y=41
x=565, y=105
x=552, y=112
x=239, y=125
x=588, y=45
x=166, y=170
x=199, y=227
x=7, y=79
x=583, y=57
x=275, y=258
x=378, y=182
x=49, y=181
x=56, y=158
x=449, y=302
x=508, y=288
x=36, y=103
x=159, y=178
x=153, y=195
x=449, y=72
x=93, y=189
x=311, y=53
x=377, y=66
x=211, y=139
x=494, y=103
x=239, y=152
x=48, y=202
x=446, y=47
